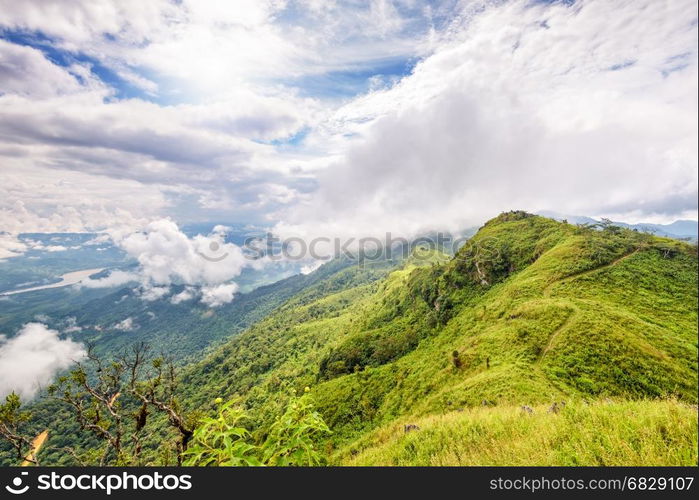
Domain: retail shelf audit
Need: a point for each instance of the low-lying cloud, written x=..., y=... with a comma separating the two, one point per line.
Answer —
x=166, y=256
x=126, y=325
x=115, y=278
x=30, y=359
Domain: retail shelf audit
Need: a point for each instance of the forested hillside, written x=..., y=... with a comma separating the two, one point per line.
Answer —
x=530, y=312
x=539, y=342
x=182, y=333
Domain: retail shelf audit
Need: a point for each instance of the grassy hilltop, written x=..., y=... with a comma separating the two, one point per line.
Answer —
x=530, y=312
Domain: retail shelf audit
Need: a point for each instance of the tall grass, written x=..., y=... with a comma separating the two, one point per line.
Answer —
x=604, y=433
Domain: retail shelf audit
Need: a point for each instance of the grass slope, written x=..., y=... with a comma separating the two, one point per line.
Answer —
x=531, y=311
x=602, y=433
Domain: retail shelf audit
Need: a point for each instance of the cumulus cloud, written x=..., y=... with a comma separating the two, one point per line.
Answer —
x=188, y=293
x=115, y=278
x=587, y=108
x=214, y=296
x=32, y=358
x=26, y=71
x=150, y=292
x=166, y=256
x=10, y=246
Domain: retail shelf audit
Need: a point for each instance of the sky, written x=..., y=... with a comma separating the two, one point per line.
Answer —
x=343, y=118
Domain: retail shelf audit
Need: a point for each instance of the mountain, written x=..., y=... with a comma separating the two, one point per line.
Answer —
x=679, y=230
x=530, y=312
x=184, y=332
x=112, y=320
x=539, y=342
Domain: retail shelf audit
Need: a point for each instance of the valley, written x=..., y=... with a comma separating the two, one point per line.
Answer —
x=556, y=330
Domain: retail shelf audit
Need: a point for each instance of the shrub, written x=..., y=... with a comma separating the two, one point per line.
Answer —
x=224, y=441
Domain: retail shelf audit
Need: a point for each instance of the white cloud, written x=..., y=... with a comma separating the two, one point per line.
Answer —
x=166, y=256
x=214, y=296
x=188, y=293
x=114, y=279
x=26, y=71
x=126, y=325
x=10, y=246
x=72, y=326
x=68, y=157
x=198, y=43
x=312, y=266
x=77, y=23
x=150, y=292
x=589, y=109
x=32, y=358
x=585, y=108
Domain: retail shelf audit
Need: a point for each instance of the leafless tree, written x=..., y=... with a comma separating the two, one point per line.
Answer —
x=113, y=400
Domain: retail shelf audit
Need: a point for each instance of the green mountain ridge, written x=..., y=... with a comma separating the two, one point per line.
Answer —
x=568, y=345
x=531, y=311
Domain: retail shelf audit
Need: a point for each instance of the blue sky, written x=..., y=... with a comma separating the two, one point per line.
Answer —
x=336, y=116
x=344, y=80
x=357, y=78
x=64, y=58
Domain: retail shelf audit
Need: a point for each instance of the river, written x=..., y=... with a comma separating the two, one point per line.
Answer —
x=67, y=279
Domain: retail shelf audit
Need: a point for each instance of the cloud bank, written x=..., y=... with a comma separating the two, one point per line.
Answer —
x=340, y=118
x=589, y=108
x=166, y=256
x=32, y=358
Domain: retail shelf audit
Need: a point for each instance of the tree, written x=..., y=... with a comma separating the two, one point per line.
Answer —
x=12, y=423
x=456, y=361
x=113, y=400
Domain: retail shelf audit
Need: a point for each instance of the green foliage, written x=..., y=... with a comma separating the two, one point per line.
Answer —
x=13, y=425
x=536, y=311
x=10, y=413
x=224, y=441
x=293, y=435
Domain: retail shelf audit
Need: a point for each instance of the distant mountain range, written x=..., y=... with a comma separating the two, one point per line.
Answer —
x=680, y=229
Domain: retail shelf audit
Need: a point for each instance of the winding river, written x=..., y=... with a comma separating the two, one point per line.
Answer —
x=67, y=279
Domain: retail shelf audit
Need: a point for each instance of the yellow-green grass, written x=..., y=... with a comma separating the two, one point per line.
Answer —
x=601, y=433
